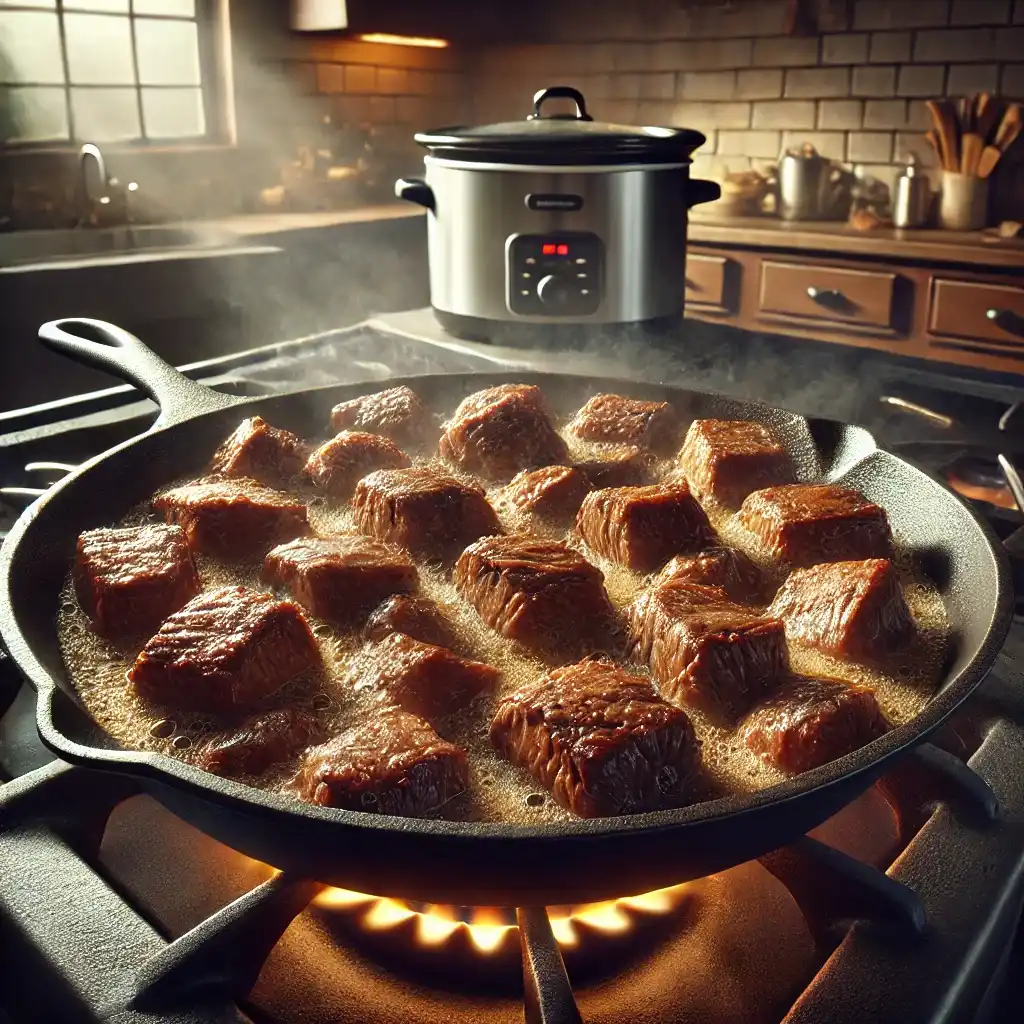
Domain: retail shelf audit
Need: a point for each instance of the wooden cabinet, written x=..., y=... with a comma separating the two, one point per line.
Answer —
x=926, y=295
x=977, y=312
x=833, y=296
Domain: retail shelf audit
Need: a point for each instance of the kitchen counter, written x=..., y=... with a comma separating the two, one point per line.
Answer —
x=922, y=244
x=250, y=225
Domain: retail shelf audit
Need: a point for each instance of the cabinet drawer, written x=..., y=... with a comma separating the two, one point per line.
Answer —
x=833, y=295
x=705, y=280
x=977, y=312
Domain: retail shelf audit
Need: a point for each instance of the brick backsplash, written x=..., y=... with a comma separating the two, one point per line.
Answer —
x=852, y=82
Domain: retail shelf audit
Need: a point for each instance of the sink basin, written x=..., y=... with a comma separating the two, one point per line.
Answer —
x=46, y=247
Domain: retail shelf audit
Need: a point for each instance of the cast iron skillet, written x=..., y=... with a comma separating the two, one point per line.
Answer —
x=458, y=862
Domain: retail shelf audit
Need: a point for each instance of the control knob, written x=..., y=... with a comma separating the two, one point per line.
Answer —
x=554, y=290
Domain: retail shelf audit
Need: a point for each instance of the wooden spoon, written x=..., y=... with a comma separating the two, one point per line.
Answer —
x=972, y=146
x=989, y=158
x=1010, y=127
x=987, y=115
x=944, y=116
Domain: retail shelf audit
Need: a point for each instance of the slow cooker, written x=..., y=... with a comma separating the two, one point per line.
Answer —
x=557, y=220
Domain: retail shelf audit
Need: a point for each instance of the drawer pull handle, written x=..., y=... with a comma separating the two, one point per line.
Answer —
x=1009, y=321
x=938, y=418
x=831, y=298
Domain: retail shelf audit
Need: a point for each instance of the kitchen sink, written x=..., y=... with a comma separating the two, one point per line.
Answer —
x=97, y=246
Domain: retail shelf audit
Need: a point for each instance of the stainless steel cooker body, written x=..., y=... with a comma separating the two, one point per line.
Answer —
x=537, y=244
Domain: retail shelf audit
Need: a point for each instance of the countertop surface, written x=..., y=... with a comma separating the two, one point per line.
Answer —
x=839, y=237
x=247, y=225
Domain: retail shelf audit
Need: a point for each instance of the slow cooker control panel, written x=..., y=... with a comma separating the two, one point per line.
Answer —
x=555, y=275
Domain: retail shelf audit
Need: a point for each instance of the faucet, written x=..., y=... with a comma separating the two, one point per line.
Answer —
x=115, y=195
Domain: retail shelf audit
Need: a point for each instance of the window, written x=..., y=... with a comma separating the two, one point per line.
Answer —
x=104, y=71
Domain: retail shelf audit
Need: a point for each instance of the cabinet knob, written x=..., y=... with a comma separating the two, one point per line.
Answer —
x=1007, y=319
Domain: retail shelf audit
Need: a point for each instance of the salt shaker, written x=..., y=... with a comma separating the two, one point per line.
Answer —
x=913, y=196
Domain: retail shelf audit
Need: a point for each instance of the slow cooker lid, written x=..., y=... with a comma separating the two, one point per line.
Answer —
x=562, y=138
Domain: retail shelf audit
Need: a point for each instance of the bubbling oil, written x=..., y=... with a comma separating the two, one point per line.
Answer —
x=498, y=791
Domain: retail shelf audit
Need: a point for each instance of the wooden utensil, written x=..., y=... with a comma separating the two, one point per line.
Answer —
x=944, y=116
x=971, y=148
x=989, y=158
x=1009, y=128
x=986, y=116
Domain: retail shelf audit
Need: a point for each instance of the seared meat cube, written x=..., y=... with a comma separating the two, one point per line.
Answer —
x=420, y=678
x=705, y=651
x=727, y=459
x=553, y=493
x=501, y=430
x=233, y=519
x=394, y=764
x=615, y=419
x=340, y=579
x=339, y=465
x=225, y=650
x=417, y=617
x=600, y=739
x=808, y=722
x=643, y=527
x=741, y=579
x=624, y=467
x=261, y=742
x=540, y=593
x=128, y=581
x=426, y=512
x=396, y=413
x=261, y=452
x=850, y=609
x=803, y=524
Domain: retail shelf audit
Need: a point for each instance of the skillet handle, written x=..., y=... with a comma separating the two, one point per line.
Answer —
x=107, y=347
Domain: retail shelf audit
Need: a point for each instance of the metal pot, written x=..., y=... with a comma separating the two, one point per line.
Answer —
x=812, y=187
x=557, y=220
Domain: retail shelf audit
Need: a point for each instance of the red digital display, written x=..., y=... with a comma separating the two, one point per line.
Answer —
x=548, y=249
x=563, y=250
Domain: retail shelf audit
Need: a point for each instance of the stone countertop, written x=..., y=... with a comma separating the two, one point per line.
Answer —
x=248, y=225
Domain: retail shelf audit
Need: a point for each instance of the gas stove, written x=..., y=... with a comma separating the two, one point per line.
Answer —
x=902, y=908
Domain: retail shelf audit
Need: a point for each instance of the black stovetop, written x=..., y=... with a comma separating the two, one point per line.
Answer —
x=113, y=909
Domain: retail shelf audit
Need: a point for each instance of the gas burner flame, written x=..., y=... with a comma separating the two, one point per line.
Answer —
x=488, y=927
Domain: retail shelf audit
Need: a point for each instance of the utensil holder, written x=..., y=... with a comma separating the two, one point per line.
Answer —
x=963, y=205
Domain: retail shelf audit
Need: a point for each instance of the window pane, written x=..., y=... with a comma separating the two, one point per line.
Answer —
x=118, y=6
x=173, y=113
x=105, y=115
x=177, y=8
x=30, y=47
x=168, y=52
x=99, y=49
x=34, y=115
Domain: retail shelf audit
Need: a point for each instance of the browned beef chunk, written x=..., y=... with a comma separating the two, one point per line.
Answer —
x=261, y=452
x=395, y=764
x=741, y=579
x=622, y=467
x=420, y=678
x=705, y=651
x=850, y=609
x=618, y=420
x=418, y=617
x=261, y=742
x=501, y=430
x=803, y=524
x=128, y=581
x=727, y=459
x=225, y=650
x=807, y=722
x=553, y=493
x=396, y=413
x=340, y=579
x=643, y=527
x=428, y=513
x=337, y=466
x=540, y=593
x=233, y=519
x=600, y=739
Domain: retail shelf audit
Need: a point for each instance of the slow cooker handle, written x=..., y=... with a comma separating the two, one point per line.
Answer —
x=699, y=190
x=559, y=92
x=415, y=190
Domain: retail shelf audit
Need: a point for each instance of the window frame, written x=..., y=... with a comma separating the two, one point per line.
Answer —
x=213, y=24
